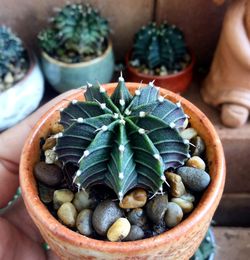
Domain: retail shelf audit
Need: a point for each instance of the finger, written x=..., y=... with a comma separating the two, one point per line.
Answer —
x=11, y=143
x=16, y=245
x=18, y=216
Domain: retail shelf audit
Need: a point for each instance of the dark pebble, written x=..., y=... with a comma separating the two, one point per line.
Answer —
x=135, y=233
x=157, y=207
x=193, y=178
x=105, y=214
x=137, y=217
x=45, y=193
x=159, y=228
x=49, y=174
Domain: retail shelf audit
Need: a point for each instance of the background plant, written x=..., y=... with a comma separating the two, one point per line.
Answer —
x=160, y=46
x=77, y=33
x=13, y=58
x=122, y=141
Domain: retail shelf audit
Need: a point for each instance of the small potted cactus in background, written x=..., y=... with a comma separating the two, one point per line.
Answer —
x=21, y=81
x=123, y=163
x=160, y=53
x=76, y=48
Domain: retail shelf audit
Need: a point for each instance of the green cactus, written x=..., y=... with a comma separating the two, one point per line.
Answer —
x=13, y=56
x=122, y=141
x=77, y=33
x=160, y=46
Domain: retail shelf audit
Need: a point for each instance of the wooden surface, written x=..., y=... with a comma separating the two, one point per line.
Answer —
x=232, y=243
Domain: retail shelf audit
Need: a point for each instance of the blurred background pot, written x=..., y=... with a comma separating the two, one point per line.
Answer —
x=180, y=242
x=177, y=82
x=63, y=76
x=24, y=97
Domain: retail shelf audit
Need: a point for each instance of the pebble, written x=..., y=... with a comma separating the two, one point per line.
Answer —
x=196, y=162
x=137, y=217
x=157, y=207
x=8, y=79
x=194, y=179
x=135, y=199
x=62, y=196
x=188, y=133
x=176, y=184
x=48, y=174
x=185, y=205
x=198, y=146
x=45, y=193
x=119, y=230
x=84, y=222
x=159, y=228
x=135, y=233
x=50, y=156
x=188, y=197
x=67, y=214
x=82, y=201
x=174, y=215
x=185, y=124
x=49, y=143
x=56, y=128
x=105, y=214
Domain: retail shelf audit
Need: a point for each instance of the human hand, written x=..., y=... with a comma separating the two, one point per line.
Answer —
x=19, y=237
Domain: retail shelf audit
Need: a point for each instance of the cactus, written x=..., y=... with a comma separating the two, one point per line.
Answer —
x=122, y=141
x=77, y=33
x=13, y=57
x=160, y=46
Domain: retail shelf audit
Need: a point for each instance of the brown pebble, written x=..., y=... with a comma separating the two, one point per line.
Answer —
x=56, y=128
x=135, y=199
x=176, y=184
x=49, y=143
x=48, y=174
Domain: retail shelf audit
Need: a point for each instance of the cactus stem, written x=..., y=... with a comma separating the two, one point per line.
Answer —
x=186, y=141
x=142, y=114
x=172, y=125
x=157, y=156
x=121, y=148
x=104, y=128
x=121, y=175
x=141, y=131
x=138, y=92
x=85, y=154
x=122, y=102
x=120, y=194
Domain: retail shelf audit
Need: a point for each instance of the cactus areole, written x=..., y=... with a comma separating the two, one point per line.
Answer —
x=122, y=141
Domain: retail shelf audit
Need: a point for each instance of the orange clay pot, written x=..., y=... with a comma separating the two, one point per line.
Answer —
x=177, y=83
x=178, y=243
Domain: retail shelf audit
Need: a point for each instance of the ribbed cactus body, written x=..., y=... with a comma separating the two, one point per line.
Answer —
x=13, y=56
x=156, y=46
x=122, y=141
x=76, y=33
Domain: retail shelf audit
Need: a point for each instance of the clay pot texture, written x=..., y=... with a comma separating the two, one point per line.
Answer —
x=177, y=83
x=23, y=97
x=64, y=76
x=178, y=243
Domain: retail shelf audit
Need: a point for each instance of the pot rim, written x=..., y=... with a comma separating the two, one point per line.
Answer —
x=159, y=77
x=50, y=59
x=210, y=196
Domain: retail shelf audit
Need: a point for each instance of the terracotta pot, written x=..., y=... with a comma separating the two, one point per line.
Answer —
x=177, y=83
x=178, y=243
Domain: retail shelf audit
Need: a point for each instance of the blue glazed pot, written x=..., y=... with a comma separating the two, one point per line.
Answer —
x=63, y=76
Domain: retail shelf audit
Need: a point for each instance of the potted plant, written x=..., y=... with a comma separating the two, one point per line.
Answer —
x=160, y=53
x=102, y=172
x=21, y=81
x=76, y=48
